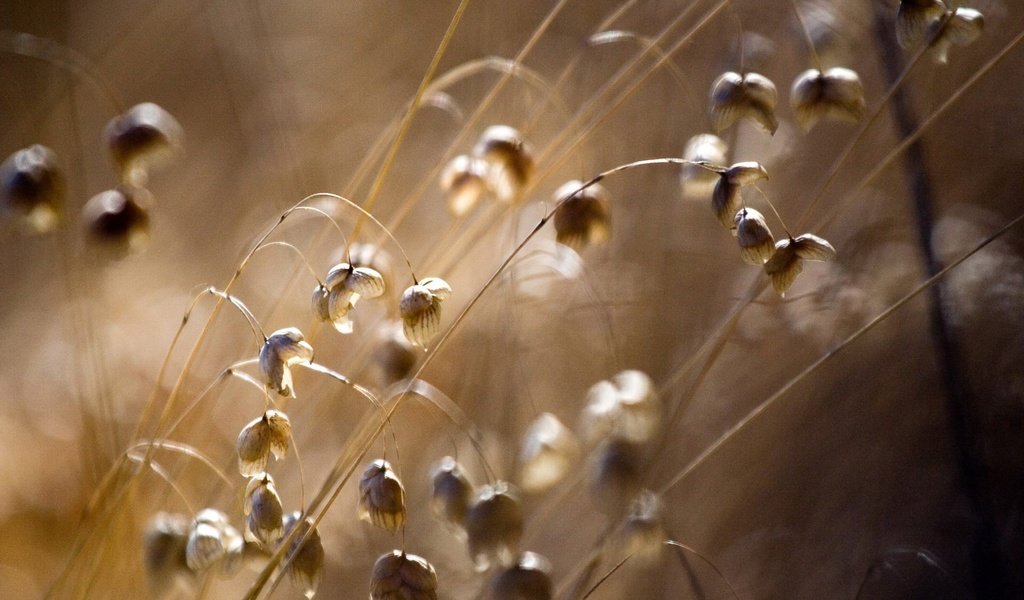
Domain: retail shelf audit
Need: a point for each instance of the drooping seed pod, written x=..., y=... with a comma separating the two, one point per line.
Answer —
x=420, y=308
x=381, y=496
x=119, y=218
x=283, y=349
x=549, y=450
x=320, y=304
x=401, y=576
x=164, y=544
x=643, y=531
x=836, y=94
x=264, y=517
x=698, y=182
x=494, y=526
x=528, y=579
x=757, y=245
x=751, y=96
x=234, y=552
x=787, y=262
x=914, y=18
x=962, y=28
x=211, y=540
x=509, y=161
x=584, y=218
x=725, y=200
x=143, y=137
x=627, y=407
x=394, y=355
x=345, y=285
x=615, y=474
x=464, y=182
x=452, y=492
x=269, y=434
x=305, y=557
x=32, y=186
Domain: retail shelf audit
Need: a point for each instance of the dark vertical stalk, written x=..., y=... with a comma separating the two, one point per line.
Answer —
x=987, y=568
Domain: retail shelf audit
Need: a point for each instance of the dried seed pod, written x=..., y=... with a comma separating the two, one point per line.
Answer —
x=755, y=239
x=269, y=434
x=234, y=552
x=394, y=356
x=381, y=496
x=615, y=474
x=643, y=531
x=283, y=349
x=141, y=138
x=698, y=182
x=320, y=304
x=583, y=218
x=305, y=556
x=626, y=407
x=401, y=576
x=787, y=262
x=33, y=187
x=452, y=492
x=494, y=525
x=345, y=285
x=210, y=540
x=837, y=94
x=914, y=18
x=420, y=308
x=164, y=544
x=119, y=218
x=549, y=450
x=262, y=508
x=509, y=158
x=528, y=579
x=735, y=96
x=725, y=200
x=464, y=181
x=961, y=28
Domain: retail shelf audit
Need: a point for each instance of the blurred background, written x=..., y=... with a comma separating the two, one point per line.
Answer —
x=891, y=470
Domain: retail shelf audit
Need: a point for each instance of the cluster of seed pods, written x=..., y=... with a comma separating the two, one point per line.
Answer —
x=500, y=166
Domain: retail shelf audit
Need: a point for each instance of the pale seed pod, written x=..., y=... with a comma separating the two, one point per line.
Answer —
x=33, y=187
x=262, y=508
x=234, y=552
x=305, y=557
x=962, y=28
x=914, y=18
x=615, y=474
x=320, y=303
x=269, y=434
x=420, y=308
x=464, y=182
x=626, y=408
x=509, y=158
x=787, y=262
x=118, y=218
x=643, y=532
x=584, y=218
x=751, y=96
x=725, y=200
x=210, y=539
x=549, y=450
x=401, y=576
x=494, y=526
x=528, y=579
x=698, y=182
x=366, y=282
x=164, y=544
x=757, y=245
x=452, y=492
x=381, y=497
x=143, y=137
x=283, y=349
x=837, y=94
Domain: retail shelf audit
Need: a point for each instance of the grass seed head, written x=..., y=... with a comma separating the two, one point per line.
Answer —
x=119, y=218
x=914, y=18
x=757, y=245
x=698, y=182
x=401, y=576
x=212, y=540
x=420, y=308
x=549, y=450
x=787, y=262
x=528, y=579
x=451, y=492
x=143, y=137
x=509, y=161
x=963, y=27
x=615, y=474
x=643, y=531
x=164, y=543
x=837, y=94
x=725, y=200
x=305, y=557
x=33, y=187
x=262, y=509
x=750, y=96
x=464, y=182
x=269, y=434
x=583, y=219
x=494, y=526
x=627, y=407
x=381, y=497
x=283, y=349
